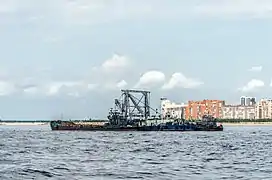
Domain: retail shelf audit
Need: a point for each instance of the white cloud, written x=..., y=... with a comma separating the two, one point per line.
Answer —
x=31, y=90
x=252, y=85
x=44, y=84
x=155, y=78
x=68, y=87
x=179, y=80
x=110, y=71
x=271, y=83
x=92, y=86
x=53, y=89
x=256, y=68
x=114, y=85
x=122, y=84
x=115, y=63
x=150, y=79
x=61, y=88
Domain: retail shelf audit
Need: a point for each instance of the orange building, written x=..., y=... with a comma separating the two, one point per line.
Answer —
x=196, y=109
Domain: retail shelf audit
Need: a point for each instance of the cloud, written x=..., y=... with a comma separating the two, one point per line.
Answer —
x=117, y=63
x=150, y=79
x=67, y=88
x=114, y=85
x=271, y=83
x=106, y=77
x=109, y=73
x=256, y=68
x=31, y=90
x=53, y=88
x=252, y=85
x=92, y=86
x=121, y=84
x=57, y=88
x=45, y=82
x=179, y=80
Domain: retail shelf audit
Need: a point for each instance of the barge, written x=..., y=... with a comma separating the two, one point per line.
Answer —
x=133, y=114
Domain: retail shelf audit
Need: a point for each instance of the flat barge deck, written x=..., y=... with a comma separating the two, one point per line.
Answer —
x=207, y=124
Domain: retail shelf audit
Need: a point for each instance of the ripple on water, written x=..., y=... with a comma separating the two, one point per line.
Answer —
x=236, y=153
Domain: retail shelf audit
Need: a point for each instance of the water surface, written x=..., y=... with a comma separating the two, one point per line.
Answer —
x=36, y=152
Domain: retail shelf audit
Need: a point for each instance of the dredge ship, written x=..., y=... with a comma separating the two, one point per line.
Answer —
x=133, y=113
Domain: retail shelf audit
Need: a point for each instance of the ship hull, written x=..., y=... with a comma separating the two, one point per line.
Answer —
x=68, y=126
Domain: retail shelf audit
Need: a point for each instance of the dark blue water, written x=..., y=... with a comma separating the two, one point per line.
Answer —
x=38, y=153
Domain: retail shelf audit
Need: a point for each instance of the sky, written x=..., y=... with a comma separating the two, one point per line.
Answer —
x=72, y=57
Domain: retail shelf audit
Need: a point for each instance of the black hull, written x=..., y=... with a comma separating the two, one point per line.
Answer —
x=76, y=127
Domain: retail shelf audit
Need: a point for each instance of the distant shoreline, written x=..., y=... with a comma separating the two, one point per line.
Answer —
x=23, y=123
x=248, y=124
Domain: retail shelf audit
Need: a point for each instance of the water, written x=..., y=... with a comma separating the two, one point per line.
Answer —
x=38, y=153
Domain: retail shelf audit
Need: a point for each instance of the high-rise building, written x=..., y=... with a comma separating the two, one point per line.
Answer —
x=196, y=109
x=243, y=101
x=253, y=101
x=247, y=101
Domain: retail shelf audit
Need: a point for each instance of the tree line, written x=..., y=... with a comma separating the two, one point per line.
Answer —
x=242, y=120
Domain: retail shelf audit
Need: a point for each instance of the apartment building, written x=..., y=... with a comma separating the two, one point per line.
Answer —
x=263, y=109
x=172, y=110
x=196, y=109
x=238, y=112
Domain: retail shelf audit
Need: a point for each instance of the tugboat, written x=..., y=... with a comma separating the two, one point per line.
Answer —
x=124, y=118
